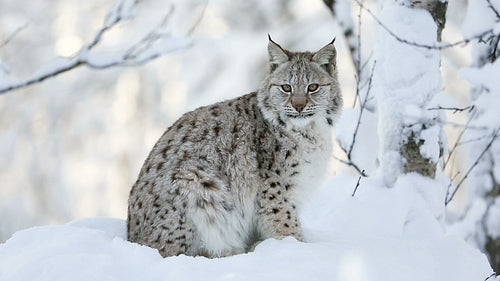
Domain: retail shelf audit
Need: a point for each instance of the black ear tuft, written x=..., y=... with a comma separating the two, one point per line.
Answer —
x=277, y=55
x=326, y=58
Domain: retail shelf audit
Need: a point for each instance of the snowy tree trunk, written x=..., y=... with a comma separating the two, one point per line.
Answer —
x=406, y=82
x=484, y=182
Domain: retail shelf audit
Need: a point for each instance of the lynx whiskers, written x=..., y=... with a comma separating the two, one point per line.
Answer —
x=226, y=176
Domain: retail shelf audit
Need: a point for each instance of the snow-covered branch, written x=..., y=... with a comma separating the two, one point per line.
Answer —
x=154, y=44
x=441, y=46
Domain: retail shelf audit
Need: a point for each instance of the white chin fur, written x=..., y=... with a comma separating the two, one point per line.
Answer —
x=300, y=122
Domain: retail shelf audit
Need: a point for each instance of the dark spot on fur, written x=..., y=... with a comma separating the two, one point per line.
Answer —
x=278, y=172
x=279, y=192
x=235, y=128
x=287, y=186
x=215, y=112
x=156, y=205
x=137, y=222
x=275, y=210
x=288, y=153
x=217, y=130
x=272, y=197
x=281, y=122
x=230, y=103
x=184, y=205
x=294, y=173
x=184, y=138
x=277, y=147
x=139, y=205
x=165, y=150
x=179, y=126
x=329, y=121
x=286, y=225
x=328, y=111
x=169, y=242
x=264, y=191
x=159, y=166
x=273, y=184
x=209, y=184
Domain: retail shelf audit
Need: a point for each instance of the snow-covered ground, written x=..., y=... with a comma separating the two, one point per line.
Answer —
x=379, y=233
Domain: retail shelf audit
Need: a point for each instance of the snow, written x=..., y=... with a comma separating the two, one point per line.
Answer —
x=406, y=80
x=377, y=234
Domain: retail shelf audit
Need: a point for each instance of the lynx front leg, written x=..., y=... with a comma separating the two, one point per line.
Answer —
x=277, y=214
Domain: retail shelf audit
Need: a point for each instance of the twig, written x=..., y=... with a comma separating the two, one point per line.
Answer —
x=12, y=35
x=357, y=61
x=497, y=14
x=351, y=164
x=430, y=47
x=492, y=275
x=198, y=20
x=362, y=108
x=357, y=184
x=495, y=135
x=450, y=184
x=455, y=109
x=455, y=145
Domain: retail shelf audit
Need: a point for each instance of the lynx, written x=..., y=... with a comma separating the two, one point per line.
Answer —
x=224, y=177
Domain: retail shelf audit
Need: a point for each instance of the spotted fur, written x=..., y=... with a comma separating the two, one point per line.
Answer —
x=226, y=176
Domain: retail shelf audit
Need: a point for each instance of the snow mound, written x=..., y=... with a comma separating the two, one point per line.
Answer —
x=377, y=234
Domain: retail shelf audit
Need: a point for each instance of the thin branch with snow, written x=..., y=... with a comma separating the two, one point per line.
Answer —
x=420, y=45
x=156, y=43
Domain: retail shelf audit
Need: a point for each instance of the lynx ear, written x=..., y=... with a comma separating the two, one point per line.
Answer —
x=326, y=58
x=277, y=55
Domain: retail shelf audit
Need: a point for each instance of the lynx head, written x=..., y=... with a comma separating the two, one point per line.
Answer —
x=301, y=87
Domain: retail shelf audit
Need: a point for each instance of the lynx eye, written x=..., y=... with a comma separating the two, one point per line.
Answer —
x=312, y=87
x=286, y=88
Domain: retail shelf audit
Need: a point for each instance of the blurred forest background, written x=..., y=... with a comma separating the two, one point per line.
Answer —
x=72, y=146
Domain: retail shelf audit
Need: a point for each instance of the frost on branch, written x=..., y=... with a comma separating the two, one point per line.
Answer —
x=155, y=43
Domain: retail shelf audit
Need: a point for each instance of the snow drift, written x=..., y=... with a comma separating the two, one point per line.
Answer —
x=377, y=234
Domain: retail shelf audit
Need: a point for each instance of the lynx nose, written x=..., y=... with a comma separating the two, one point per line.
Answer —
x=299, y=105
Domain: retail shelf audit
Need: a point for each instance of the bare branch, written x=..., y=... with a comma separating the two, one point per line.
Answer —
x=497, y=14
x=425, y=46
x=492, y=275
x=452, y=151
x=351, y=164
x=357, y=184
x=363, y=105
x=12, y=35
x=198, y=20
x=495, y=135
